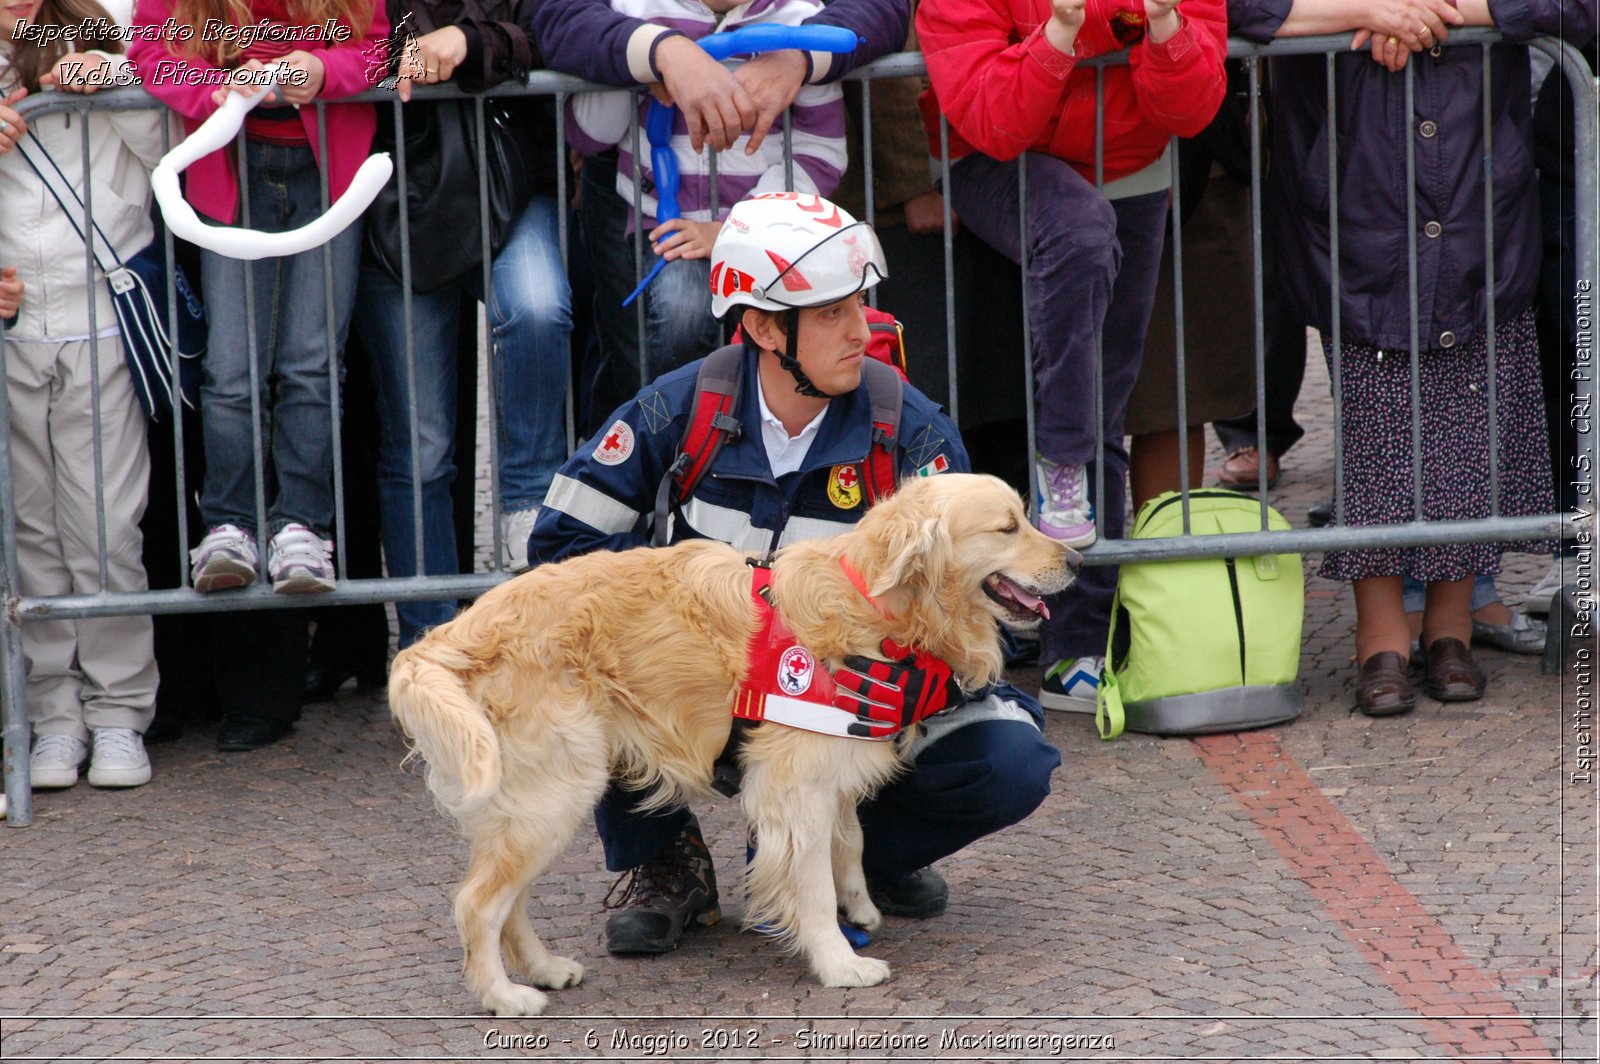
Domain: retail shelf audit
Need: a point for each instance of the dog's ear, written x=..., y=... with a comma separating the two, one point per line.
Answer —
x=910, y=542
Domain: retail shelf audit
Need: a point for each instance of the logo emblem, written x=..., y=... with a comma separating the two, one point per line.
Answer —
x=844, y=487
x=795, y=668
x=615, y=446
x=939, y=464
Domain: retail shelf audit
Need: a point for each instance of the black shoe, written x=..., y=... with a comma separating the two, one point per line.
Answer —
x=662, y=897
x=1320, y=515
x=250, y=733
x=324, y=681
x=917, y=895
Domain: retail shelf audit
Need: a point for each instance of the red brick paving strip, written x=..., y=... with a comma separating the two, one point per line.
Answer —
x=1415, y=956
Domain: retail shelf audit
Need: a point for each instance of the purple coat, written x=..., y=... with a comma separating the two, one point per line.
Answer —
x=1372, y=120
x=589, y=40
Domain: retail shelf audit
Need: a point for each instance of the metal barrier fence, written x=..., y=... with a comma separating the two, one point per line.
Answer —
x=20, y=609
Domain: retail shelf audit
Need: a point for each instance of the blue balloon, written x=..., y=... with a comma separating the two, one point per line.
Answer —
x=660, y=119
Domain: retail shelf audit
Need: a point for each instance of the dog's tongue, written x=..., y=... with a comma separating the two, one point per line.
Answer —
x=1031, y=601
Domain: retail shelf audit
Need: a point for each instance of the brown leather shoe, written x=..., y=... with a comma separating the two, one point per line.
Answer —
x=1384, y=688
x=1241, y=470
x=1450, y=674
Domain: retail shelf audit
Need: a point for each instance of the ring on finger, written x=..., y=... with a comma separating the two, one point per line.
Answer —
x=1394, y=42
x=5, y=127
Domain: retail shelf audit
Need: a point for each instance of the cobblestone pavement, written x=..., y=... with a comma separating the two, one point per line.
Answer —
x=1338, y=888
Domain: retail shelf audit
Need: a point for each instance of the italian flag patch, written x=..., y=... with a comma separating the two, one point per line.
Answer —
x=939, y=464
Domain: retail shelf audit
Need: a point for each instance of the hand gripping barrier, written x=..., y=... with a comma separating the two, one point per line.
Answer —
x=658, y=123
x=215, y=134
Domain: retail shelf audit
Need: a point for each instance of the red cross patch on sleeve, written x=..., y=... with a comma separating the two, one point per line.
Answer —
x=615, y=445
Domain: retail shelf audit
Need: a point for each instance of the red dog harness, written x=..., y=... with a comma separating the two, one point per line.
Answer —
x=784, y=682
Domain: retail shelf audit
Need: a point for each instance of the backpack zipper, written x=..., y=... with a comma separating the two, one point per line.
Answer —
x=1201, y=493
x=1238, y=612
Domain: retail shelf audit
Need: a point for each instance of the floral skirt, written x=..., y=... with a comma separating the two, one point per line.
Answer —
x=1454, y=386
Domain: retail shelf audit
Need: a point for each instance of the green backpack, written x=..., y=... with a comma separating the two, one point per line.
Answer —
x=1204, y=644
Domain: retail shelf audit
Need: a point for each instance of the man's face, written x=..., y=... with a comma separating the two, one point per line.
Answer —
x=833, y=342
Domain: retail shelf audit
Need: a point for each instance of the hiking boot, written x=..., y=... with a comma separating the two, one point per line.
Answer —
x=55, y=761
x=917, y=895
x=225, y=559
x=1072, y=685
x=662, y=897
x=299, y=561
x=1062, y=509
x=515, y=528
x=119, y=759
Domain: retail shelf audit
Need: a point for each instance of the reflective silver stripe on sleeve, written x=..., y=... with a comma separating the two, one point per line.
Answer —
x=992, y=707
x=590, y=505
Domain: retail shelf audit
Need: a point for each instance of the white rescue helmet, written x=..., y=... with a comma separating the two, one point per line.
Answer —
x=783, y=250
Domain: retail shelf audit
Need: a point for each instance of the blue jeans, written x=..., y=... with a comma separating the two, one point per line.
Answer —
x=679, y=327
x=1092, y=267
x=294, y=344
x=1415, y=593
x=530, y=319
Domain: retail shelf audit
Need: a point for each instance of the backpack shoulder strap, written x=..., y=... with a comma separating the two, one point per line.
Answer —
x=886, y=392
x=711, y=424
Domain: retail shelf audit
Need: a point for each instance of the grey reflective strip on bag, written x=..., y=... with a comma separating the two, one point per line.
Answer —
x=1226, y=710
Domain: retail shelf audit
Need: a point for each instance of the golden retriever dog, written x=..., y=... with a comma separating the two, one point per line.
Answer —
x=625, y=664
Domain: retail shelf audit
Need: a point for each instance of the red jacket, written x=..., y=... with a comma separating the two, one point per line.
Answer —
x=1006, y=89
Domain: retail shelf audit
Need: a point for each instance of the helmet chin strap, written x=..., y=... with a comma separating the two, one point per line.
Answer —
x=789, y=359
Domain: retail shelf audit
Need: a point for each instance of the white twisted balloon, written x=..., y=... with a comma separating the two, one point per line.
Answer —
x=218, y=132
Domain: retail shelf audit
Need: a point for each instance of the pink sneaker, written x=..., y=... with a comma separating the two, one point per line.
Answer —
x=1062, y=509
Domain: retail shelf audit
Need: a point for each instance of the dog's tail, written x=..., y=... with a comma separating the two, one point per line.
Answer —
x=448, y=728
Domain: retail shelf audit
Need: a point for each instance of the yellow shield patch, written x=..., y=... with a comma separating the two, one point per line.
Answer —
x=844, y=487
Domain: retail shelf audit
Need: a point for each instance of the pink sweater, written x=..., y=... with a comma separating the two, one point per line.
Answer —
x=185, y=84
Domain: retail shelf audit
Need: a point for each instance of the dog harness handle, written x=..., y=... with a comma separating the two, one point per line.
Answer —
x=784, y=683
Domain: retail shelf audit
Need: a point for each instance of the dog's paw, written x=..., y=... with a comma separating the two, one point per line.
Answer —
x=557, y=973
x=853, y=971
x=857, y=909
x=513, y=999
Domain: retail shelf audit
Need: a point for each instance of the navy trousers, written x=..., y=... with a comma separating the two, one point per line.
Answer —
x=971, y=782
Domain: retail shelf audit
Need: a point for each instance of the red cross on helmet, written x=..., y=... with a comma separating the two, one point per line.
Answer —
x=784, y=250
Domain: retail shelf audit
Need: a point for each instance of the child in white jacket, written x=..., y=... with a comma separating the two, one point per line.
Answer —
x=89, y=681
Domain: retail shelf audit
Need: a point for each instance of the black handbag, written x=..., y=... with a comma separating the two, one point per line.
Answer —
x=442, y=168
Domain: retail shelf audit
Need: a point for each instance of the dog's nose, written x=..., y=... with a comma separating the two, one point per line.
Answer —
x=1074, y=559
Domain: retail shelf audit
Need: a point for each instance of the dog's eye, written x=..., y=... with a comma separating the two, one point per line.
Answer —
x=1010, y=528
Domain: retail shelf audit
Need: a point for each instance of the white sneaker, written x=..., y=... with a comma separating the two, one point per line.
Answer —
x=1073, y=684
x=515, y=528
x=1062, y=509
x=225, y=559
x=119, y=759
x=55, y=761
x=1537, y=600
x=299, y=561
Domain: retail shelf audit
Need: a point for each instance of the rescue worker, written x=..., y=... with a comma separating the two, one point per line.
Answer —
x=792, y=270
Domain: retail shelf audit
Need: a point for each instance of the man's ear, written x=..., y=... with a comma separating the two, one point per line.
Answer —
x=762, y=327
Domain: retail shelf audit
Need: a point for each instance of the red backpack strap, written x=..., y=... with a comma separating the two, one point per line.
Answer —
x=887, y=340
x=711, y=424
x=886, y=392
